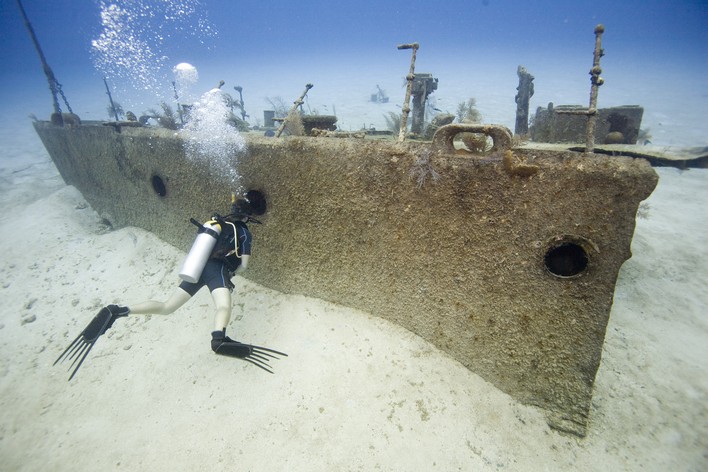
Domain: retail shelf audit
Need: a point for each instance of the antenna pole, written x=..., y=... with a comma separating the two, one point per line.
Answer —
x=53, y=84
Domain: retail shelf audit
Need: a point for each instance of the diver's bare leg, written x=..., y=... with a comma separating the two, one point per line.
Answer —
x=222, y=300
x=176, y=300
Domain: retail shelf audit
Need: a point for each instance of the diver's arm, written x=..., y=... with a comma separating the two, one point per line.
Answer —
x=244, y=264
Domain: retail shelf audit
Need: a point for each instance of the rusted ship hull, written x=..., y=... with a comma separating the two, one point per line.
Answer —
x=507, y=262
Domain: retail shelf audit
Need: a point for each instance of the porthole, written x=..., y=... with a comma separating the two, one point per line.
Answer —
x=158, y=185
x=566, y=257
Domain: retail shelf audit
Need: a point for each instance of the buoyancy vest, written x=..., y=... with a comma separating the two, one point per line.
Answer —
x=233, y=242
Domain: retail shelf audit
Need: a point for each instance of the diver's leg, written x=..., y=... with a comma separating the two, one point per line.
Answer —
x=225, y=346
x=220, y=343
x=222, y=300
x=178, y=298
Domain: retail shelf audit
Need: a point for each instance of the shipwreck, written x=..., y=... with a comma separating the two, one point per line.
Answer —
x=505, y=259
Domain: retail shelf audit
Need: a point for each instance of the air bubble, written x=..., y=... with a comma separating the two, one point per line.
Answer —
x=137, y=38
x=210, y=137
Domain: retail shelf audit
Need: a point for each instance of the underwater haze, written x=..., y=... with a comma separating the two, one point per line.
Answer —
x=357, y=392
x=656, y=55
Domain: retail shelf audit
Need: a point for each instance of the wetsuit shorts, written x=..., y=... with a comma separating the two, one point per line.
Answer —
x=215, y=275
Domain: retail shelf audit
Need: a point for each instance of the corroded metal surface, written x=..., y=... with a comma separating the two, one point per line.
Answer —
x=507, y=262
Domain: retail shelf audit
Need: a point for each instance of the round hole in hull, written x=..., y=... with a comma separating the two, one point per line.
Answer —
x=566, y=258
x=158, y=185
x=257, y=201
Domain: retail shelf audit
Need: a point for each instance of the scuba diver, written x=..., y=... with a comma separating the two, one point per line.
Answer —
x=221, y=249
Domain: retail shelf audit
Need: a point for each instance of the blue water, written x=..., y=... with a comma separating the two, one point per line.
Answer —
x=648, y=409
x=657, y=54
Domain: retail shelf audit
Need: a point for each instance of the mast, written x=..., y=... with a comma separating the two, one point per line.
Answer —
x=409, y=87
x=296, y=104
x=54, y=86
x=595, y=81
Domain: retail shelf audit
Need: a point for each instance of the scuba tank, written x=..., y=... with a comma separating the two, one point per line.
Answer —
x=198, y=256
x=208, y=233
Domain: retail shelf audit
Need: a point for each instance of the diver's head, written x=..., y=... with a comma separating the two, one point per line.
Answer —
x=241, y=208
x=253, y=203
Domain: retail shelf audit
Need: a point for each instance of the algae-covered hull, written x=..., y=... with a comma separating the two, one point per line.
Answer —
x=507, y=262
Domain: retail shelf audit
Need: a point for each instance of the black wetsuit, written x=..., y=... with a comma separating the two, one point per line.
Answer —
x=221, y=265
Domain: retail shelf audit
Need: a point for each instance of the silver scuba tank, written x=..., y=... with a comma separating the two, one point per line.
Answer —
x=201, y=250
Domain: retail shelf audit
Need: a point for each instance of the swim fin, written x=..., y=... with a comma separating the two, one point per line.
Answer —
x=79, y=349
x=256, y=355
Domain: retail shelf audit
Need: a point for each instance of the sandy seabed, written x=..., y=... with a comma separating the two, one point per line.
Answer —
x=356, y=393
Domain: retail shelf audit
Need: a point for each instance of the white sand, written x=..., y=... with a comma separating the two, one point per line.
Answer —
x=356, y=393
